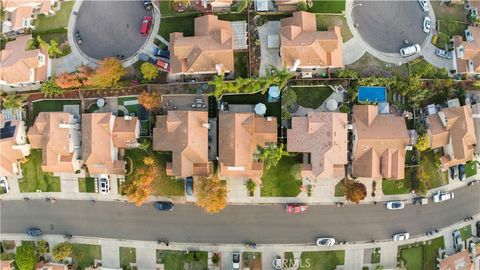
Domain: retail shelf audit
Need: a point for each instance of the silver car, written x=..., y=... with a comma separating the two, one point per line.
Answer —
x=104, y=184
x=401, y=236
x=325, y=241
x=4, y=187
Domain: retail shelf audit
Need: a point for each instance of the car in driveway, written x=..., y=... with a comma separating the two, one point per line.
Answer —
x=145, y=27
x=478, y=228
x=427, y=24
x=461, y=172
x=236, y=260
x=410, y=50
x=277, y=263
x=189, y=186
x=441, y=196
x=35, y=232
x=104, y=184
x=163, y=65
x=5, y=188
x=453, y=172
x=395, y=205
x=424, y=5
x=457, y=240
x=164, y=206
x=401, y=236
x=325, y=241
x=295, y=208
x=161, y=53
x=443, y=54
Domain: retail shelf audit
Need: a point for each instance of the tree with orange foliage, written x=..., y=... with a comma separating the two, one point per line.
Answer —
x=355, y=191
x=140, y=188
x=149, y=101
x=68, y=80
x=211, y=193
x=108, y=73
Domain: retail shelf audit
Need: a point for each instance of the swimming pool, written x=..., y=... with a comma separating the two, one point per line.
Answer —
x=372, y=94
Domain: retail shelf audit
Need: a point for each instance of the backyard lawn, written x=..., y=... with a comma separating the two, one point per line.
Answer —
x=83, y=255
x=471, y=168
x=322, y=260
x=282, y=180
x=252, y=260
x=183, y=24
x=325, y=21
x=127, y=256
x=327, y=6
x=417, y=256
x=163, y=185
x=86, y=184
x=175, y=260
x=34, y=178
x=51, y=106
x=241, y=64
x=59, y=20
x=311, y=96
x=134, y=108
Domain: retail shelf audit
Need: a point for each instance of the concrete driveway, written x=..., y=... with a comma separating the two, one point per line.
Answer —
x=110, y=29
x=387, y=25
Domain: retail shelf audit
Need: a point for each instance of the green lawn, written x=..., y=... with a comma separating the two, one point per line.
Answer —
x=131, y=108
x=86, y=184
x=327, y=6
x=427, y=70
x=432, y=176
x=413, y=257
x=375, y=255
x=471, y=168
x=419, y=256
x=127, y=256
x=183, y=24
x=241, y=64
x=59, y=20
x=312, y=97
x=51, y=105
x=340, y=189
x=324, y=21
x=163, y=185
x=34, y=178
x=28, y=243
x=466, y=232
x=175, y=260
x=83, y=255
x=282, y=180
x=252, y=260
x=430, y=252
x=322, y=260
x=392, y=187
x=231, y=17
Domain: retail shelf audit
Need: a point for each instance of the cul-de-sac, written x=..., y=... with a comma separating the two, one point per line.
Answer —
x=240, y=134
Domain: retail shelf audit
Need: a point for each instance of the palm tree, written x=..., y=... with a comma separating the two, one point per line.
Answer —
x=12, y=101
x=271, y=155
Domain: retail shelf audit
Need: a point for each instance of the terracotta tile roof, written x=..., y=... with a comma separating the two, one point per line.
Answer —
x=287, y=5
x=125, y=131
x=324, y=136
x=379, y=143
x=239, y=136
x=16, y=62
x=300, y=40
x=20, y=9
x=471, y=51
x=211, y=45
x=50, y=266
x=458, y=136
x=56, y=133
x=98, y=151
x=13, y=4
x=10, y=154
x=457, y=261
x=184, y=134
x=6, y=265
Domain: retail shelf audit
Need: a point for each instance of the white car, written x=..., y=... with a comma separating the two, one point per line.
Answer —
x=424, y=5
x=236, y=260
x=401, y=236
x=395, y=205
x=443, y=54
x=427, y=24
x=325, y=241
x=443, y=196
x=4, y=184
x=410, y=50
x=104, y=184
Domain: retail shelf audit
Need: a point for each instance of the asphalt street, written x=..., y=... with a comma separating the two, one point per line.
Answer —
x=263, y=224
x=110, y=28
x=386, y=25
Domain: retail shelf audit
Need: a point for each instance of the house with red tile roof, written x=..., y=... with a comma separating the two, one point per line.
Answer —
x=21, y=66
x=58, y=135
x=6, y=265
x=185, y=134
x=322, y=136
x=303, y=47
x=457, y=261
x=19, y=14
x=13, y=146
x=209, y=51
x=379, y=143
x=453, y=130
x=240, y=135
x=466, y=56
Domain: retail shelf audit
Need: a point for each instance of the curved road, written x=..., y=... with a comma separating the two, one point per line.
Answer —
x=263, y=224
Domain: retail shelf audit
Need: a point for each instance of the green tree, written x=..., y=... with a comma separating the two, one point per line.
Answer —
x=244, y=4
x=108, y=74
x=251, y=186
x=49, y=88
x=144, y=145
x=302, y=6
x=52, y=47
x=25, y=257
x=289, y=97
x=271, y=155
x=42, y=247
x=149, y=71
x=62, y=250
x=347, y=73
x=423, y=142
x=12, y=101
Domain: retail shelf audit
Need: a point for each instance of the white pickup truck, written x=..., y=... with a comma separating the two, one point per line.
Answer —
x=443, y=196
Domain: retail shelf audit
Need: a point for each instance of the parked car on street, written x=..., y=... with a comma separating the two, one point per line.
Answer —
x=457, y=240
x=401, y=236
x=163, y=65
x=164, y=206
x=295, y=208
x=5, y=188
x=427, y=24
x=104, y=184
x=189, y=186
x=236, y=260
x=395, y=205
x=461, y=172
x=443, y=196
x=147, y=4
x=424, y=5
x=34, y=232
x=145, y=27
x=410, y=50
x=442, y=53
x=325, y=241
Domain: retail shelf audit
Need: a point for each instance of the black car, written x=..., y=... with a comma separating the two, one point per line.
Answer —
x=453, y=172
x=478, y=228
x=164, y=206
x=189, y=186
x=147, y=4
x=461, y=172
x=34, y=232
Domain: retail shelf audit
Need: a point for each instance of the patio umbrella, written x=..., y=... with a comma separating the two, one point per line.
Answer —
x=260, y=109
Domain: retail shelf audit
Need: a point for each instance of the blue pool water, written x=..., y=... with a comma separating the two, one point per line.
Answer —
x=372, y=94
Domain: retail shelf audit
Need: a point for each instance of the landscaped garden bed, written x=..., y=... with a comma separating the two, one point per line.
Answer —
x=252, y=260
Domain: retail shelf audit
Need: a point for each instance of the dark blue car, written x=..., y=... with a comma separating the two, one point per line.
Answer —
x=164, y=206
x=189, y=186
x=34, y=232
x=461, y=172
x=162, y=53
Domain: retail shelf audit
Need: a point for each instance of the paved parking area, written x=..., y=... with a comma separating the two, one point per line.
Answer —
x=110, y=28
x=387, y=25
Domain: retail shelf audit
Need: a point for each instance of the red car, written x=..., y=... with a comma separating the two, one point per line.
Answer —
x=145, y=28
x=163, y=65
x=295, y=208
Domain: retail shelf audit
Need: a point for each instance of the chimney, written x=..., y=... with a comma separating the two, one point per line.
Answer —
x=206, y=125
